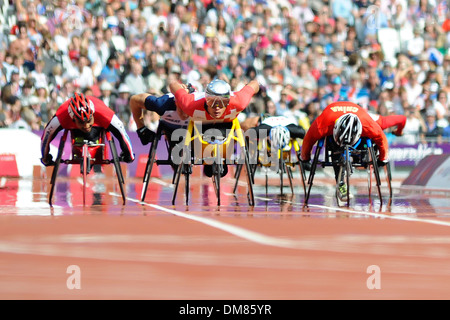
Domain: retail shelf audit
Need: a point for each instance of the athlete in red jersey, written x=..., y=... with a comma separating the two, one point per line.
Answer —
x=344, y=123
x=85, y=116
x=324, y=124
x=217, y=106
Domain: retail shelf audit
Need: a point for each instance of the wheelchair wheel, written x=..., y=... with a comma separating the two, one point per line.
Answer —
x=216, y=169
x=183, y=168
x=117, y=167
x=313, y=170
x=302, y=173
x=376, y=171
x=187, y=173
x=84, y=169
x=281, y=169
x=237, y=175
x=56, y=166
x=348, y=171
x=149, y=166
x=387, y=170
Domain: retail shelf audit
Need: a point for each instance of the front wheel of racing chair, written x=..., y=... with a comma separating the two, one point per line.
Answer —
x=56, y=167
x=116, y=161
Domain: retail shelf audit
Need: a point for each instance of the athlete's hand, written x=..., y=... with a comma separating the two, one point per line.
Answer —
x=306, y=165
x=48, y=160
x=190, y=88
x=125, y=157
x=145, y=135
x=382, y=163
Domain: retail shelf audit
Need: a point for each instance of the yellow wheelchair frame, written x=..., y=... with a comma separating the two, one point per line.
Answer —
x=188, y=158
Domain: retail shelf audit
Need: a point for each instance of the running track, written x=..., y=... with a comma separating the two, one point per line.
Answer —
x=277, y=250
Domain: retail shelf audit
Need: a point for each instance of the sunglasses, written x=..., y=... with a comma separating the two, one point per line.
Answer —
x=217, y=102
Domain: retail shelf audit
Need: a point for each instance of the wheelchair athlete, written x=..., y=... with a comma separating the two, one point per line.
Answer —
x=216, y=108
x=165, y=106
x=86, y=117
x=346, y=123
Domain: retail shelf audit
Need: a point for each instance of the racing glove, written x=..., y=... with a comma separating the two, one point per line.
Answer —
x=48, y=160
x=382, y=163
x=306, y=165
x=145, y=135
x=125, y=157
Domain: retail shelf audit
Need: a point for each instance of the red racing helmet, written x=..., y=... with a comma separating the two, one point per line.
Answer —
x=81, y=108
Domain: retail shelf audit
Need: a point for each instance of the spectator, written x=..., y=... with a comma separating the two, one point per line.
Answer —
x=431, y=132
x=110, y=72
x=413, y=127
x=134, y=80
x=121, y=103
x=107, y=95
x=98, y=53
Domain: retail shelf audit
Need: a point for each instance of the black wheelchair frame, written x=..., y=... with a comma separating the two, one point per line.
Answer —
x=85, y=162
x=188, y=159
x=346, y=159
x=285, y=164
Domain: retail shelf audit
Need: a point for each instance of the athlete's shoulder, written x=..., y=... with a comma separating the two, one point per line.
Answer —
x=96, y=101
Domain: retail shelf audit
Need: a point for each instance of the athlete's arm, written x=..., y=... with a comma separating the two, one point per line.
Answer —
x=311, y=137
x=137, y=105
x=118, y=130
x=51, y=130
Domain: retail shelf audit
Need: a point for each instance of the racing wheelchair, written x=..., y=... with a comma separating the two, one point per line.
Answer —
x=362, y=155
x=220, y=150
x=280, y=149
x=166, y=129
x=87, y=154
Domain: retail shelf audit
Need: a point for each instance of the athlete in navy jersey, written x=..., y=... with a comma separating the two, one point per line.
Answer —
x=164, y=106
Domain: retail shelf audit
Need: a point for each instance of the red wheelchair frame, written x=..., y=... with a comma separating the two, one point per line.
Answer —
x=87, y=154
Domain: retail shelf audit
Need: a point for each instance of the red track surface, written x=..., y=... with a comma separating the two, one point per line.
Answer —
x=277, y=250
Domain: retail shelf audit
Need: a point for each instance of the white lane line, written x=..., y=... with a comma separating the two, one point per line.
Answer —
x=237, y=231
x=269, y=240
x=370, y=214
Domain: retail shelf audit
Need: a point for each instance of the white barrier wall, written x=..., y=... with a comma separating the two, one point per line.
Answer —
x=25, y=146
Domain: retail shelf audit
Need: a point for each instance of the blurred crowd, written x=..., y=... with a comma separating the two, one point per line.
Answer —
x=389, y=56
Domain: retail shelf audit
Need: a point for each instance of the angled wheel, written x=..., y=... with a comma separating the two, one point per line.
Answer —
x=149, y=166
x=56, y=166
x=84, y=168
x=302, y=173
x=183, y=168
x=281, y=168
x=251, y=196
x=237, y=174
x=313, y=170
x=187, y=173
x=216, y=169
x=116, y=162
x=387, y=170
x=348, y=171
x=376, y=171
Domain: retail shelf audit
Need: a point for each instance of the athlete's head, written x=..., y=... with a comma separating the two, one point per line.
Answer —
x=217, y=95
x=81, y=110
x=279, y=137
x=347, y=129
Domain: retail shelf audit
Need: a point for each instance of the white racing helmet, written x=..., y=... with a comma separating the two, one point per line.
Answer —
x=279, y=137
x=218, y=93
x=347, y=129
